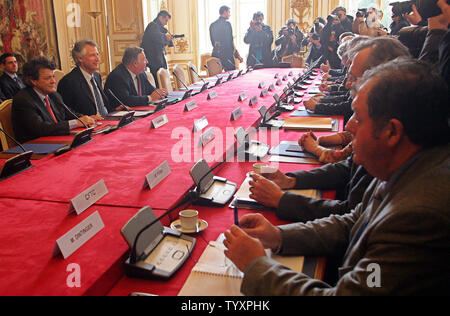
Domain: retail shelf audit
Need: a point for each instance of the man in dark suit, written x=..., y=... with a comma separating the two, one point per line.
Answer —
x=82, y=89
x=221, y=33
x=260, y=38
x=38, y=110
x=130, y=84
x=10, y=82
x=154, y=42
x=396, y=241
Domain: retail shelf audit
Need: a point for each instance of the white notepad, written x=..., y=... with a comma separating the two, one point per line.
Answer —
x=216, y=275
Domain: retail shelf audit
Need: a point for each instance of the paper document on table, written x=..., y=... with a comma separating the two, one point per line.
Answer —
x=242, y=198
x=309, y=123
x=216, y=275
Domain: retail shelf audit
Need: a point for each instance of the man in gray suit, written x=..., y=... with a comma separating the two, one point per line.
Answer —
x=397, y=241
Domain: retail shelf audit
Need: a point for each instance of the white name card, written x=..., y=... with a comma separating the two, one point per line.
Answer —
x=285, y=78
x=242, y=96
x=212, y=95
x=279, y=82
x=160, y=121
x=236, y=114
x=253, y=101
x=264, y=93
x=200, y=124
x=207, y=137
x=277, y=76
x=190, y=106
x=157, y=176
x=291, y=74
x=78, y=236
x=261, y=85
x=89, y=197
x=272, y=87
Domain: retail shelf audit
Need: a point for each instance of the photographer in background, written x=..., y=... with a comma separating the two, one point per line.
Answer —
x=316, y=49
x=399, y=22
x=330, y=41
x=346, y=20
x=154, y=42
x=367, y=23
x=260, y=38
x=289, y=41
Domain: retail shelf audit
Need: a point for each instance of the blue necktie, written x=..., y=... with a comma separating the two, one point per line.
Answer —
x=99, y=100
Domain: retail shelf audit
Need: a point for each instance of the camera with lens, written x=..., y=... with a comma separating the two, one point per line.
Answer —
x=362, y=13
x=331, y=18
x=426, y=8
x=291, y=31
x=178, y=36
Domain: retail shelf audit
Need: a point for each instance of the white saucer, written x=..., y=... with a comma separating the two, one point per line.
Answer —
x=201, y=226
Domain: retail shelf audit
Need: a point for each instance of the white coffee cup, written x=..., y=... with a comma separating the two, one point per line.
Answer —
x=189, y=220
x=257, y=167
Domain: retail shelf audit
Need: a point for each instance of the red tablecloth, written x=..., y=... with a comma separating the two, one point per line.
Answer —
x=34, y=204
x=124, y=158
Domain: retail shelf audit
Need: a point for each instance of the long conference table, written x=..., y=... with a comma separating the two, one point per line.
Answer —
x=34, y=204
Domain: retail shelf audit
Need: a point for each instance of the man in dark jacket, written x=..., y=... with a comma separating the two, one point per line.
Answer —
x=129, y=83
x=82, y=88
x=154, y=42
x=260, y=38
x=38, y=110
x=221, y=33
x=10, y=82
x=289, y=41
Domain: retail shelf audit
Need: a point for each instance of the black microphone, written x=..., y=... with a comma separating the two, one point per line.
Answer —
x=13, y=139
x=117, y=99
x=16, y=164
x=70, y=111
x=176, y=76
x=189, y=198
x=206, y=66
x=193, y=69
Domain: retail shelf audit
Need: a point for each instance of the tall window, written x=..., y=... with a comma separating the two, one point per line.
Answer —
x=241, y=14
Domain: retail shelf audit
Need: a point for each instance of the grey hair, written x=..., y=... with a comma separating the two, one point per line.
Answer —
x=384, y=49
x=350, y=53
x=131, y=55
x=78, y=50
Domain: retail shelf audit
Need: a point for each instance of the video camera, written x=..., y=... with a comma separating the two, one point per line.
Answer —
x=362, y=13
x=426, y=8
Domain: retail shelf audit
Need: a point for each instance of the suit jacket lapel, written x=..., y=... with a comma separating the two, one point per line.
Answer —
x=129, y=79
x=84, y=85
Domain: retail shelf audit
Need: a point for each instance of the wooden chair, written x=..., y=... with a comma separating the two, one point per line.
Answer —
x=215, y=66
x=59, y=75
x=203, y=59
x=294, y=60
x=150, y=78
x=164, y=79
x=6, y=125
x=193, y=78
x=179, y=71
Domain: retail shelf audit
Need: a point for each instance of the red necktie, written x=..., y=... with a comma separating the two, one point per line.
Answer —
x=139, y=86
x=49, y=109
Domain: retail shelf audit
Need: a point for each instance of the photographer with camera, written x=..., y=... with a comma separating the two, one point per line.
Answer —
x=346, y=21
x=156, y=39
x=260, y=38
x=289, y=41
x=330, y=41
x=367, y=23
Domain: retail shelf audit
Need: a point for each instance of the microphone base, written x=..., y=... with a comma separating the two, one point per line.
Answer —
x=219, y=194
x=16, y=165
